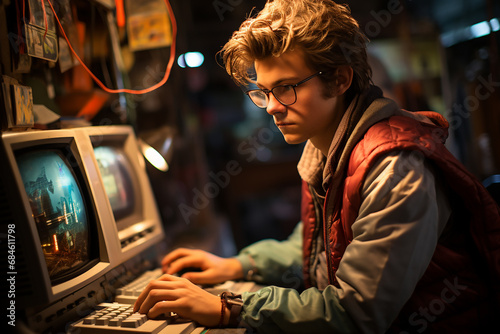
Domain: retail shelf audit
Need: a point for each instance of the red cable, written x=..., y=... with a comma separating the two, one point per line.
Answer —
x=120, y=13
x=125, y=90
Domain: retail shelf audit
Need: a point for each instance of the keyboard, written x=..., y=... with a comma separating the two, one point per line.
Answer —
x=129, y=292
x=119, y=318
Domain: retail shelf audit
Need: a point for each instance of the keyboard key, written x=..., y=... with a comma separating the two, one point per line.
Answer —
x=141, y=317
x=115, y=322
x=129, y=292
x=102, y=321
x=131, y=322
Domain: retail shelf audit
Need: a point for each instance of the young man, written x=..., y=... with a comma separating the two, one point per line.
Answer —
x=396, y=236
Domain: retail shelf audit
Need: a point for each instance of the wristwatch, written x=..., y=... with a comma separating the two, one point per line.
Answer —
x=234, y=303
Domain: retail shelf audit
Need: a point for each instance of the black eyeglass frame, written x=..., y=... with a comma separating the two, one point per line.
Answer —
x=268, y=91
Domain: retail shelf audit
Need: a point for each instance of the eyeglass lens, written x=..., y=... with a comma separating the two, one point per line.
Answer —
x=284, y=94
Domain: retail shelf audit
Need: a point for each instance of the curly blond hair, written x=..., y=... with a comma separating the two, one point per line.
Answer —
x=324, y=30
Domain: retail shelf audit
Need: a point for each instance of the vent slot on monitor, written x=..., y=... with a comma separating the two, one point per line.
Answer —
x=137, y=236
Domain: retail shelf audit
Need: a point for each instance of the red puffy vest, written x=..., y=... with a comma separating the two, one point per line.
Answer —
x=461, y=287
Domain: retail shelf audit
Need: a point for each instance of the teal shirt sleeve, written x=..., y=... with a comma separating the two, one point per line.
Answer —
x=283, y=310
x=277, y=262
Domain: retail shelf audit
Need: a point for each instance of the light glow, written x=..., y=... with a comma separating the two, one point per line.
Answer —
x=477, y=30
x=480, y=29
x=56, y=246
x=495, y=24
x=191, y=59
x=154, y=157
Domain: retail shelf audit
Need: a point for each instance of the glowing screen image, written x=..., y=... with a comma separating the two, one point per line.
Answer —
x=117, y=183
x=58, y=210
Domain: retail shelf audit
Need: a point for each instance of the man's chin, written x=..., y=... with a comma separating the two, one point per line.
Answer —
x=293, y=140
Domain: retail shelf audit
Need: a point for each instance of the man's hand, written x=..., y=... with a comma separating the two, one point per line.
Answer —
x=214, y=269
x=175, y=294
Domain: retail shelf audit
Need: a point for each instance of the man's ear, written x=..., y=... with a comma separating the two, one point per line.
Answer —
x=343, y=79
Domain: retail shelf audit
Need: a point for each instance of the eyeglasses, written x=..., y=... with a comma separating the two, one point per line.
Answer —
x=285, y=94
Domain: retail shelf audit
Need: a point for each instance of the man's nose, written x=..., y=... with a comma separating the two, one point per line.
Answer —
x=273, y=105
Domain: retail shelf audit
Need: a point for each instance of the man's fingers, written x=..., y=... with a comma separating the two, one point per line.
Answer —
x=164, y=283
x=174, y=255
x=204, y=277
x=160, y=308
x=184, y=262
x=156, y=296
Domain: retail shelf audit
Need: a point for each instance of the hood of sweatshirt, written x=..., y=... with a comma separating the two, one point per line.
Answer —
x=365, y=110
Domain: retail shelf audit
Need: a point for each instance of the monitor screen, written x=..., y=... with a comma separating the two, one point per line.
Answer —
x=59, y=209
x=115, y=172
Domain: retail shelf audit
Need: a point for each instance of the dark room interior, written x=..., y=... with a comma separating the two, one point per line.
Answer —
x=231, y=178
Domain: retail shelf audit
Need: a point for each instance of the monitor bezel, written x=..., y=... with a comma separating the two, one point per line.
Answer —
x=47, y=291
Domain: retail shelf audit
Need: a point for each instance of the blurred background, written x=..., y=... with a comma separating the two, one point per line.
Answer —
x=232, y=179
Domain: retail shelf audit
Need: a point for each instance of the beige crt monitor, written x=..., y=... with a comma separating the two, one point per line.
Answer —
x=122, y=172
x=79, y=212
x=57, y=217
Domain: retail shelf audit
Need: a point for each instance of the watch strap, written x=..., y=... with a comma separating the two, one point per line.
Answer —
x=234, y=303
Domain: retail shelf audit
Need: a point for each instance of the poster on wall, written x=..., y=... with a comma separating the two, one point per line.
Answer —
x=148, y=24
x=18, y=104
x=40, y=31
x=41, y=45
x=41, y=15
x=22, y=99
